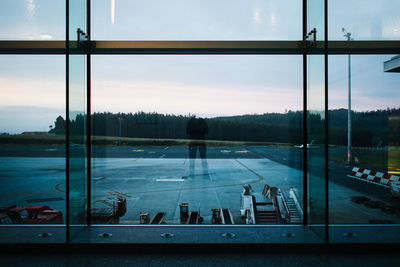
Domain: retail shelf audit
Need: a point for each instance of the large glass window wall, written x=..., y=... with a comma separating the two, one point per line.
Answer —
x=32, y=146
x=251, y=129
x=363, y=143
x=188, y=132
x=366, y=21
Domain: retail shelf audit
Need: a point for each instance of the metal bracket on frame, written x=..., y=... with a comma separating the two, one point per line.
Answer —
x=83, y=40
x=310, y=40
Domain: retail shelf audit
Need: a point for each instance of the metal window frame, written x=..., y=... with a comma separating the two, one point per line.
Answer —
x=114, y=47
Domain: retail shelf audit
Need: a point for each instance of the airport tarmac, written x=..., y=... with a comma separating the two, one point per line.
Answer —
x=155, y=179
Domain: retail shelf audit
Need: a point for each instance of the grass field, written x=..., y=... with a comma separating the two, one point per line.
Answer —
x=387, y=159
x=374, y=159
x=127, y=141
x=33, y=139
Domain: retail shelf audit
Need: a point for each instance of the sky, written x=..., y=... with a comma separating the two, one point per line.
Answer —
x=32, y=88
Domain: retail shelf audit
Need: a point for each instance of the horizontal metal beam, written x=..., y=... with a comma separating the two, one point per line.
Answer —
x=32, y=47
x=364, y=47
x=197, y=47
x=203, y=47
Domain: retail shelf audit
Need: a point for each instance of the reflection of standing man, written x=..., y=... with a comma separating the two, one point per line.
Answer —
x=197, y=129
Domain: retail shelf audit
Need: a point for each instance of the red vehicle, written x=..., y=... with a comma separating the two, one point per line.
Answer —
x=30, y=215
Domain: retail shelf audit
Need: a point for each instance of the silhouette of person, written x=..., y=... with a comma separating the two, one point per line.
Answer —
x=197, y=129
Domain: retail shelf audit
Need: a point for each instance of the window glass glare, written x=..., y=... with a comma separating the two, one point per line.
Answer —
x=197, y=20
x=32, y=19
x=32, y=142
x=363, y=176
x=190, y=132
x=365, y=20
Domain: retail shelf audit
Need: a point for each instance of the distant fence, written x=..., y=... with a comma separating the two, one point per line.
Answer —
x=378, y=178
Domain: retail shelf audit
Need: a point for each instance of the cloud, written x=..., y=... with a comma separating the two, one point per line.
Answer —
x=257, y=15
x=180, y=98
x=30, y=92
x=25, y=36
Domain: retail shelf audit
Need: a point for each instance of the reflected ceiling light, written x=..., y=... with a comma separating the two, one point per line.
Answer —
x=273, y=18
x=257, y=15
x=30, y=7
x=112, y=11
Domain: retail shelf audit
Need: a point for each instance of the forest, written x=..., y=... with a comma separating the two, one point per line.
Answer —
x=369, y=129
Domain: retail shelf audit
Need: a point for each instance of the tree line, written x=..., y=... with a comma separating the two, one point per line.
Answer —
x=369, y=128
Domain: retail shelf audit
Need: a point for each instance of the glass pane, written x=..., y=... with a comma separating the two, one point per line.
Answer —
x=77, y=18
x=364, y=189
x=369, y=20
x=175, y=130
x=32, y=20
x=77, y=145
x=315, y=16
x=32, y=150
x=77, y=122
x=316, y=143
x=315, y=122
x=197, y=20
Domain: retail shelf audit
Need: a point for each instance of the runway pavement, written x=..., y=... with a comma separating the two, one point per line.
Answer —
x=159, y=178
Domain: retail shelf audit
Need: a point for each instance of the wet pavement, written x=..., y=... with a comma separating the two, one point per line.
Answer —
x=155, y=179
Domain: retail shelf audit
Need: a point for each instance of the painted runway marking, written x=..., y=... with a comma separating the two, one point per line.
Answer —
x=105, y=202
x=114, y=194
x=51, y=149
x=100, y=178
x=137, y=150
x=170, y=180
x=163, y=155
x=242, y=151
x=238, y=161
x=136, y=159
x=122, y=194
x=118, y=194
x=216, y=194
x=199, y=174
x=205, y=187
x=58, y=187
x=190, y=188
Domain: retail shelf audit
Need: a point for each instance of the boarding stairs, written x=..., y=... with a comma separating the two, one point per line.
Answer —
x=267, y=217
x=294, y=214
x=266, y=212
x=227, y=217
